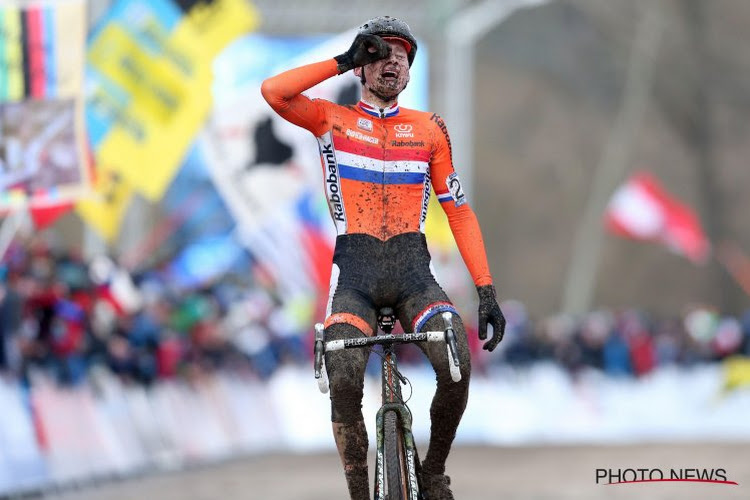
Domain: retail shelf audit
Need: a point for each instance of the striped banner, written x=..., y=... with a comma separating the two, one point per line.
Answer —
x=41, y=49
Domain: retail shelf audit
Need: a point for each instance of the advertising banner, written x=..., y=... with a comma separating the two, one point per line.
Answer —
x=42, y=135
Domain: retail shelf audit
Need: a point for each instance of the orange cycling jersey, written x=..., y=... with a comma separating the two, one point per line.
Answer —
x=378, y=164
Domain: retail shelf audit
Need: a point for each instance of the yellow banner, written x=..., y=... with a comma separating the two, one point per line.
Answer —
x=221, y=21
x=151, y=84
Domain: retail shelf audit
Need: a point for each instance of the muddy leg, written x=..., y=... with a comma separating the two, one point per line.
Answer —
x=346, y=379
x=450, y=399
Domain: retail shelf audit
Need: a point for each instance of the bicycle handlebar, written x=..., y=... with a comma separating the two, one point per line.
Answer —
x=448, y=336
x=391, y=338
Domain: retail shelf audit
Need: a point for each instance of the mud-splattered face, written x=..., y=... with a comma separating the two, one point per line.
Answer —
x=387, y=78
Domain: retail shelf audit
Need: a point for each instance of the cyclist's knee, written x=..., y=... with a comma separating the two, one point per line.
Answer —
x=345, y=376
x=346, y=400
x=346, y=395
x=439, y=355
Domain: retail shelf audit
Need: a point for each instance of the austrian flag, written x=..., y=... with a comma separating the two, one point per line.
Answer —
x=641, y=209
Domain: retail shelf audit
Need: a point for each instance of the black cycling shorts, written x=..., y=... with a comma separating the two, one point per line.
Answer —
x=369, y=274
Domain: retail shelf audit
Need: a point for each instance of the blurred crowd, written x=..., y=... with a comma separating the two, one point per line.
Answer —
x=62, y=315
x=624, y=342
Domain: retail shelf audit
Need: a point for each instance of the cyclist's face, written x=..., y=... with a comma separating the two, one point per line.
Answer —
x=388, y=77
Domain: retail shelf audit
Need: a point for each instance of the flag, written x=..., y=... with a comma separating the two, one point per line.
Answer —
x=45, y=216
x=642, y=209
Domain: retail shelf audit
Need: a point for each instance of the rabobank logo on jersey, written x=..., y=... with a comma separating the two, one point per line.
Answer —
x=332, y=181
x=425, y=201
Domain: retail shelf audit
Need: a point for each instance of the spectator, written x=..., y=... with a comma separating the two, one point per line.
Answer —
x=667, y=342
x=10, y=322
x=746, y=333
x=640, y=343
x=616, y=355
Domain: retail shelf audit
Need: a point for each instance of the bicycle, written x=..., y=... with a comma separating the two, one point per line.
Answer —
x=397, y=465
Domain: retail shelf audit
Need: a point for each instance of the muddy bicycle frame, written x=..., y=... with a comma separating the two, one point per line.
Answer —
x=408, y=487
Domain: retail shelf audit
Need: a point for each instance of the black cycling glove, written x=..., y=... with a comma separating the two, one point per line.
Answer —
x=489, y=312
x=364, y=50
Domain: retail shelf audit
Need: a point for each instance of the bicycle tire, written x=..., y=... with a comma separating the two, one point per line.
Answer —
x=395, y=458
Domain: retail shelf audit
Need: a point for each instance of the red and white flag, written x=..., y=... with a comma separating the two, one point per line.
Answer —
x=641, y=209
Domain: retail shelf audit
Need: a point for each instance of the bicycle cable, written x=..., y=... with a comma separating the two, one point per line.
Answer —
x=399, y=376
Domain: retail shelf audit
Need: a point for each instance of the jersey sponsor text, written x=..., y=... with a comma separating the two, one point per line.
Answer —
x=361, y=136
x=333, y=186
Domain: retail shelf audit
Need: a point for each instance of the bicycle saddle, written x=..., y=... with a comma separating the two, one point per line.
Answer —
x=386, y=319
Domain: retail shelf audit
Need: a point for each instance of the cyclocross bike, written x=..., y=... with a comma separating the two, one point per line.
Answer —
x=397, y=464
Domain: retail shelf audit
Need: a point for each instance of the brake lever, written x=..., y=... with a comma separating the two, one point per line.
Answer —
x=450, y=341
x=319, y=347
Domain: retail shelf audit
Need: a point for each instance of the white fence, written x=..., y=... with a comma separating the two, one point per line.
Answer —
x=105, y=429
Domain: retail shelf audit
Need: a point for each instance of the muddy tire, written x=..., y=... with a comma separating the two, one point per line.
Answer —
x=395, y=460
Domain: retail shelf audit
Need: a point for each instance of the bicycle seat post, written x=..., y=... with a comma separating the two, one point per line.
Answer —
x=386, y=319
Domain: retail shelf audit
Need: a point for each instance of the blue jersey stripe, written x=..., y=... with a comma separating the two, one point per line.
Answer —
x=432, y=312
x=370, y=112
x=364, y=175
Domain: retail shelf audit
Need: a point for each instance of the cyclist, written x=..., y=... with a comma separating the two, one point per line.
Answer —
x=379, y=161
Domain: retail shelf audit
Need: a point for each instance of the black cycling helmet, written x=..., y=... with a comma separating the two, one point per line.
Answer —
x=391, y=27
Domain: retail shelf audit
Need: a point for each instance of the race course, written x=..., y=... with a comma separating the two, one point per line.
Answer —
x=478, y=473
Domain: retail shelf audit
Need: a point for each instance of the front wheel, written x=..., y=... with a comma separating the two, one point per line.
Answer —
x=395, y=459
